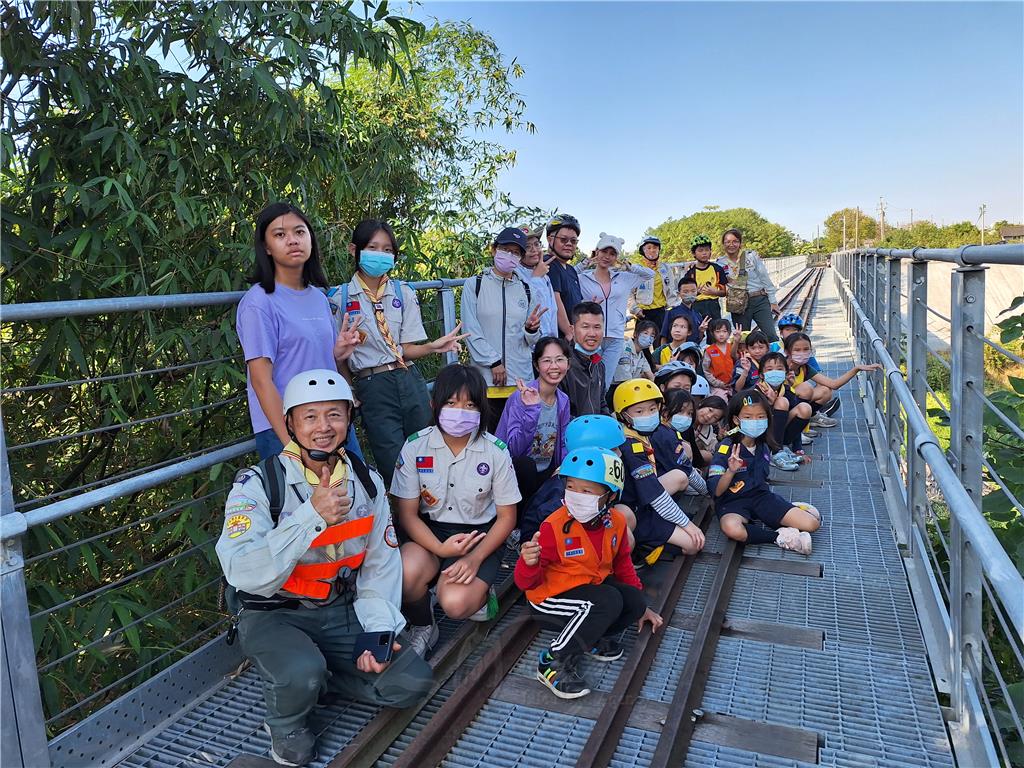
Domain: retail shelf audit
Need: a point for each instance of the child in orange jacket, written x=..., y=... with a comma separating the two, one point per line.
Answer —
x=577, y=573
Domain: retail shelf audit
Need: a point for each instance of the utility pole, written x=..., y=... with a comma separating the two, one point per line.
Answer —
x=982, y=211
x=856, y=229
x=844, y=229
x=911, y=217
x=881, y=219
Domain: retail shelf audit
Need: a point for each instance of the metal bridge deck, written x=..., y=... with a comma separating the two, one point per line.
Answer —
x=865, y=688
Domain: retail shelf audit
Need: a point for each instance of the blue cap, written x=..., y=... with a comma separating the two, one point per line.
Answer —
x=511, y=236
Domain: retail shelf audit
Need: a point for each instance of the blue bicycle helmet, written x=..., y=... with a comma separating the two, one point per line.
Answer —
x=791, y=319
x=594, y=431
x=598, y=465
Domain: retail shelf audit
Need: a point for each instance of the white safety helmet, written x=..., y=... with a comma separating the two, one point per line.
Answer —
x=700, y=387
x=316, y=386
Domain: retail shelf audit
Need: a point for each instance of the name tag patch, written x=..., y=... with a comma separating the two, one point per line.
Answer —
x=575, y=552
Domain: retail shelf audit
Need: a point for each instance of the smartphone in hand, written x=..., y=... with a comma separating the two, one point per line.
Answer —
x=378, y=643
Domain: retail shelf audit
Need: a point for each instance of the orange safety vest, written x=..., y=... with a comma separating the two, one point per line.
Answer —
x=315, y=580
x=578, y=563
x=722, y=365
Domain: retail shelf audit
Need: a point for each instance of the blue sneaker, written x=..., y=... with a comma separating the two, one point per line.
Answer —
x=560, y=676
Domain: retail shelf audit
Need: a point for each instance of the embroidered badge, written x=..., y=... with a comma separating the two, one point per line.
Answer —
x=573, y=542
x=715, y=470
x=425, y=464
x=575, y=552
x=396, y=303
x=400, y=463
x=243, y=476
x=240, y=507
x=723, y=449
x=500, y=443
x=353, y=306
x=644, y=470
x=428, y=498
x=483, y=468
x=737, y=486
x=638, y=448
x=391, y=537
x=237, y=525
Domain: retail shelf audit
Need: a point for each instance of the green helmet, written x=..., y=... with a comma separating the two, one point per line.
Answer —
x=698, y=240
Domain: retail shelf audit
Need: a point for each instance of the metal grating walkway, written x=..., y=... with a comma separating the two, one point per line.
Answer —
x=867, y=692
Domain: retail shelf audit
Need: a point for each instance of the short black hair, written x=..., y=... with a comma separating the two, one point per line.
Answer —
x=747, y=397
x=675, y=399
x=543, y=344
x=714, y=401
x=645, y=325
x=778, y=357
x=793, y=338
x=366, y=229
x=756, y=337
x=263, y=265
x=687, y=280
x=456, y=378
x=586, y=308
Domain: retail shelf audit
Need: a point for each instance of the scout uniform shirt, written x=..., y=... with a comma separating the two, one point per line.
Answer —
x=259, y=557
x=462, y=489
x=750, y=480
x=711, y=276
x=402, y=313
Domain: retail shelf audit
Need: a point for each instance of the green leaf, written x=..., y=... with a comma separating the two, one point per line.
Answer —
x=81, y=243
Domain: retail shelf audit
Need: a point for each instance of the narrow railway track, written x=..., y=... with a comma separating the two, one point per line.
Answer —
x=614, y=711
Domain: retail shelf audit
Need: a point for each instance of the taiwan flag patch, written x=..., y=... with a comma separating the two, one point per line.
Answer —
x=425, y=464
x=353, y=306
x=573, y=546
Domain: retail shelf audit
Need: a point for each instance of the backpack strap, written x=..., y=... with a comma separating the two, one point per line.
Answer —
x=363, y=474
x=272, y=476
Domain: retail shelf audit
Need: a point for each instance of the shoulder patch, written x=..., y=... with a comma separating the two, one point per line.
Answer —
x=637, y=447
x=391, y=537
x=237, y=525
x=416, y=435
x=642, y=471
x=242, y=476
x=723, y=448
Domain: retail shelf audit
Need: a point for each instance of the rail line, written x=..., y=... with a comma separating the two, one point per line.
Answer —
x=624, y=705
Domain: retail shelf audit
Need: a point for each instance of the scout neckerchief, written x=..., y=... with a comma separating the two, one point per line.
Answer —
x=382, y=321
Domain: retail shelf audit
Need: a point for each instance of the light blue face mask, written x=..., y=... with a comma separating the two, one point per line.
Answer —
x=774, y=378
x=376, y=263
x=645, y=340
x=645, y=425
x=753, y=427
x=588, y=352
x=681, y=422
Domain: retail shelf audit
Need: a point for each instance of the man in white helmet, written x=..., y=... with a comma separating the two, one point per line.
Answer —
x=311, y=555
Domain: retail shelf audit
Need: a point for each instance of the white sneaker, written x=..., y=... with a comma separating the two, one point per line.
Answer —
x=805, y=440
x=794, y=540
x=422, y=639
x=783, y=462
x=489, y=609
x=821, y=420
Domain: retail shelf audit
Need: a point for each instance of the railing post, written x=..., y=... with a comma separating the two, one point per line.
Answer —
x=966, y=409
x=893, y=344
x=917, y=377
x=450, y=320
x=22, y=727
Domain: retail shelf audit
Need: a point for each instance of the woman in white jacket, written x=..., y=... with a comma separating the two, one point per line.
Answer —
x=611, y=289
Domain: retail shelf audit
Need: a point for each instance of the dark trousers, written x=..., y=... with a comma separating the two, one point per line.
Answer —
x=304, y=651
x=656, y=316
x=709, y=308
x=393, y=405
x=529, y=480
x=585, y=614
x=759, y=310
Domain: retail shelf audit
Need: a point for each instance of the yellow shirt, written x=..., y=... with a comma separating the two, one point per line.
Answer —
x=707, y=278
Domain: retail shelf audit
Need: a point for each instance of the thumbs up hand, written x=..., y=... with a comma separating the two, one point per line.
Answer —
x=332, y=504
x=530, y=550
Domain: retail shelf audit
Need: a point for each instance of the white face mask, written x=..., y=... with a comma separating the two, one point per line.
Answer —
x=582, y=506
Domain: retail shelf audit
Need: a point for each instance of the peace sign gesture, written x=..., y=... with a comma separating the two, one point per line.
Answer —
x=735, y=462
x=767, y=391
x=704, y=324
x=529, y=394
x=349, y=337
x=745, y=362
x=532, y=323
x=449, y=342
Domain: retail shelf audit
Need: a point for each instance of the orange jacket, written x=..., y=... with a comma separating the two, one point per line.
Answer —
x=720, y=364
x=578, y=563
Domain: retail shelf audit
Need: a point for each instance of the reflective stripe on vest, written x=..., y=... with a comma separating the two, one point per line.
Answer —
x=314, y=580
x=578, y=563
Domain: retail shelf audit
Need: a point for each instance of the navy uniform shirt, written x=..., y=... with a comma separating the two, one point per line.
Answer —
x=749, y=481
x=566, y=282
x=668, y=450
x=642, y=485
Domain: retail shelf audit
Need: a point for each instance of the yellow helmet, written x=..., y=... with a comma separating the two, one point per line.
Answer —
x=634, y=391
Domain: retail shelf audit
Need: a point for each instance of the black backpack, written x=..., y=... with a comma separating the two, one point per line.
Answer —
x=526, y=285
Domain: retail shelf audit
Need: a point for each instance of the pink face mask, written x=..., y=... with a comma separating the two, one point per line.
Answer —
x=458, y=422
x=504, y=261
x=801, y=358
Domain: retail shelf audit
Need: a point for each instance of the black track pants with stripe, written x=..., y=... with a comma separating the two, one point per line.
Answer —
x=581, y=615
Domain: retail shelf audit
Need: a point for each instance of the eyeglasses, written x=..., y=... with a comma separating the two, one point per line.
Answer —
x=567, y=240
x=553, y=360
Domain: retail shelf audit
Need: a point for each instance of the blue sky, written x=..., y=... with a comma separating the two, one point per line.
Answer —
x=651, y=110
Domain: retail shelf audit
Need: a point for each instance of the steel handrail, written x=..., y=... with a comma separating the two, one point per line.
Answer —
x=998, y=568
x=967, y=255
x=47, y=310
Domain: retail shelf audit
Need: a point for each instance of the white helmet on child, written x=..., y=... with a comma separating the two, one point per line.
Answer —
x=316, y=386
x=700, y=387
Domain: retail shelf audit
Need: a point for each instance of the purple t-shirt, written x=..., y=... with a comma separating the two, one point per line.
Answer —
x=294, y=329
